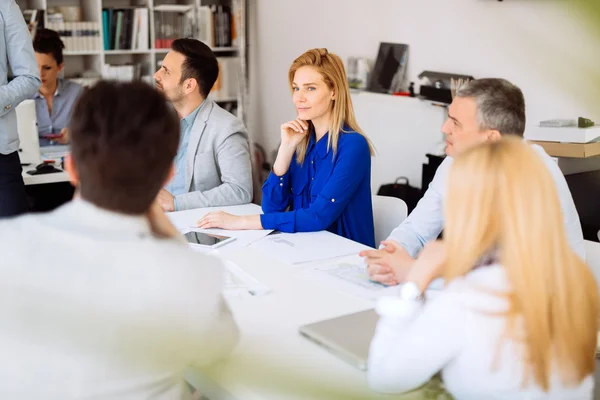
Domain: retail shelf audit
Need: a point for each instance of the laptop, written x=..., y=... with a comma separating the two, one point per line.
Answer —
x=348, y=336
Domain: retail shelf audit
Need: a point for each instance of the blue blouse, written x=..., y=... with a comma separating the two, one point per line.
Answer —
x=325, y=192
x=67, y=93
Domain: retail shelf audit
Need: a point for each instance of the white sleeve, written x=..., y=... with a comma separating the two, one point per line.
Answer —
x=209, y=332
x=426, y=221
x=413, y=342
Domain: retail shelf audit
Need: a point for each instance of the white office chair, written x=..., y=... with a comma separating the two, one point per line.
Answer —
x=592, y=257
x=388, y=213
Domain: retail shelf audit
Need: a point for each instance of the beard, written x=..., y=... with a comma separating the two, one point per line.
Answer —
x=174, y=95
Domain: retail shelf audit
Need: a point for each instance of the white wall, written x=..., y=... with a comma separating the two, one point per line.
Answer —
x=540, y=45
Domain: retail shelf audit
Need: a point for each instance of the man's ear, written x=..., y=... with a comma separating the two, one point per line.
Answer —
x=71, y=170
x=493, y=135
x=190, y=85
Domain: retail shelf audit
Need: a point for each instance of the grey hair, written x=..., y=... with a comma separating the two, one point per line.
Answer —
x=500, y=105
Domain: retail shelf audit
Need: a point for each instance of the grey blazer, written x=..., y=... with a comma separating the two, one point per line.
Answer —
x=218, y=170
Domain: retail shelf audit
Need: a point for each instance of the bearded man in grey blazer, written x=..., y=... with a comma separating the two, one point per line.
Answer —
x=212, y=166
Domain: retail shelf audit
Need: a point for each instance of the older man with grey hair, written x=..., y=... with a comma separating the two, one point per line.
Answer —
x=482, y=110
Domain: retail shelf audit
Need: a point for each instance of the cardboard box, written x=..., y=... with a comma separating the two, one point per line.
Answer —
x=563, y=135
x=574, y=150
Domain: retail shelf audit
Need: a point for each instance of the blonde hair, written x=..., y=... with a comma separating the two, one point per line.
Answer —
x=501, y=197
x=331, y=68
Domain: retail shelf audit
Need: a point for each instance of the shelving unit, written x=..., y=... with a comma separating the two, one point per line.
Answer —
x=88, y=65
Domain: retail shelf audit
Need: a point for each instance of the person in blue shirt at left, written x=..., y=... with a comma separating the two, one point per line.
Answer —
x=321, y=178
x=56, y=97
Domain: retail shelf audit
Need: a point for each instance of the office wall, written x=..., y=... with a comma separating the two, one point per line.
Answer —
x=544, y=46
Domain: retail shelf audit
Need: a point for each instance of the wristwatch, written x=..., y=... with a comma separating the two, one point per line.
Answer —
x=408, y=299
x=410, y=291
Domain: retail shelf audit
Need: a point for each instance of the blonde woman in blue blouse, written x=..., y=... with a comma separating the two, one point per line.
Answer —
x=321, y=178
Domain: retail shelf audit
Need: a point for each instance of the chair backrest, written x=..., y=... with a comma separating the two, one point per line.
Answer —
x=592, y=257
x=388, y=213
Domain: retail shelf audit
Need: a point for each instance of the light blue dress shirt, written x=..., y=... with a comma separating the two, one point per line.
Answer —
x=426, y=221
x=177, y=184
x=16, y=50
x=64, y=99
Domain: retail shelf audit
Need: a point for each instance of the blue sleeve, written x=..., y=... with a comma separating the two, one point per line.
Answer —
x=352, y=164
x=276, y=192
x=21, y=58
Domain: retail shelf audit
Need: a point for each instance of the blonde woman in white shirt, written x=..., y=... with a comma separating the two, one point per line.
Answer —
x=518, y=316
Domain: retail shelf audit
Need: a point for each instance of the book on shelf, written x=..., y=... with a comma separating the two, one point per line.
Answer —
x=219, y=25
x=222, y=25
x=171, y=22
x=226, y=86
x=236, y=22
x=128, y=72
x=126, y=28
x=78, y=36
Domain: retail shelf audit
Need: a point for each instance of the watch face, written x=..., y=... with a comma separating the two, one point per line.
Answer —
x=410, y=291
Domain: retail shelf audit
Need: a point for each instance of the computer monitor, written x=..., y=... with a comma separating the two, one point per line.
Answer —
x=29, y=148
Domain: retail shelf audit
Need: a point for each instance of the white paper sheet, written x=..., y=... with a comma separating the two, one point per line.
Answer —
x=349, y=275
x=238, y=284
x=237, y=279
x=303, y=247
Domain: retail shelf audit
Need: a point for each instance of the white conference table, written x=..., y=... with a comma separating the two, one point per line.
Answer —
x=272, y=360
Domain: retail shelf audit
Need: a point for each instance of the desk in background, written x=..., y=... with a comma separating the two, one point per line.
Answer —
x=47, y=191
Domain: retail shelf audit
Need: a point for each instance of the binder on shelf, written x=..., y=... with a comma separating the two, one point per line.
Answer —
x=126, y=28
x=79, y=36
x=172, y=21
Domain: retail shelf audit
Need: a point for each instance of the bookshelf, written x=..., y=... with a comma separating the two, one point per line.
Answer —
x=94, y=50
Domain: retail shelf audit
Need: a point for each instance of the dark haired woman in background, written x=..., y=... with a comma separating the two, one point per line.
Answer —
x=56, y=96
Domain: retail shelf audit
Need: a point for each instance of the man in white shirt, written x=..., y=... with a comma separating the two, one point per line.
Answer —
x=101, y=298
x=482, y=110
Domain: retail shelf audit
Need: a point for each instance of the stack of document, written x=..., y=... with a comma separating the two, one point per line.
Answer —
x=349, y=275
x=238, y=282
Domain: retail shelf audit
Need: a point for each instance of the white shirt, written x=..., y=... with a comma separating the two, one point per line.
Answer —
x=426, y=221
x=459, y=333
x=93, y=306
